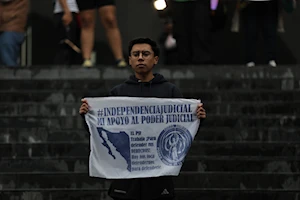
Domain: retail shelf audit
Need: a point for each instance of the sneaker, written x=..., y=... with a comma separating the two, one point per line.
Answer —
x=121, y=63
x=272, y=63
x=87, y=63
x=250, y=64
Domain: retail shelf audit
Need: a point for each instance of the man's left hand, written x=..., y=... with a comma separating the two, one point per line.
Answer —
x=201, y=114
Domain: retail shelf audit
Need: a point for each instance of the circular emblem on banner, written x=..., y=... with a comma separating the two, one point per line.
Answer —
x=173, y=144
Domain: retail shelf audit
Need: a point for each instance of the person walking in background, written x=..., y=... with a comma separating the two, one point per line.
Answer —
x=67, y=29
x=192, y=30
x=168, y=44
x=13, y=20
x=107, y=12
x=261, y=15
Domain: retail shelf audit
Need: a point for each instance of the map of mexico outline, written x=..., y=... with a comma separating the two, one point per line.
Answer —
x=120, y=141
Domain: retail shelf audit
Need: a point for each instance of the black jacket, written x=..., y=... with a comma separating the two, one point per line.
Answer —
x=144, y=188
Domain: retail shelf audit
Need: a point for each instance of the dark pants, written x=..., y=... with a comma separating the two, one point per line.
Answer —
x=65, y=55
x=192, y=31
x=261, y=17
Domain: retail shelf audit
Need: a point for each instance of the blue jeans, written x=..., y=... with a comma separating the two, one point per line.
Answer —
x=10, y=45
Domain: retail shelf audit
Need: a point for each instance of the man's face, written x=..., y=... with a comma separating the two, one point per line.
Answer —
x=142, y=58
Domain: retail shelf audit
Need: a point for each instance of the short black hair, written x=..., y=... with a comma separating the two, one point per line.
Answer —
x=152, y=43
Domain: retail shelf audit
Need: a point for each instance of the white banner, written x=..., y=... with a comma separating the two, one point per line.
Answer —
x=135, y=137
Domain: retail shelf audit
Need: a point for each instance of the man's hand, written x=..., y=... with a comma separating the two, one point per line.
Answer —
x=201, y=114
x=67, y=18
x=84, y=108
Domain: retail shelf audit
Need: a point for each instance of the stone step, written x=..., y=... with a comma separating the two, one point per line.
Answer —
x=206, y=164
x=230, y=134
x=240, y=133
x=181, y=194
x=233, y=121
x=241, y=194
x=51, y=180
x=55, y=194
x=213, y=180
x=170, y=72
x=244, y=149
x=57, y=85
x=241, y=95
x=215, y=108
x=236, y=180
x=105, y=85
x=198, y=148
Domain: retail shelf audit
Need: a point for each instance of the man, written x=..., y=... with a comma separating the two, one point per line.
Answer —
x=107, y=12
x=143, y=56
x=192, y=31
x=68, y=32
x=13, y=20
x=261, y=15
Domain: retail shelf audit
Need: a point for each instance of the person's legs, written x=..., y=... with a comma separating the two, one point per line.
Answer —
x=202, y=40
x=251, y=31
x=269, y=29
x=182, y=20
x=87, y=15
x=87, y=32
x=107, y=12
x=10, y=45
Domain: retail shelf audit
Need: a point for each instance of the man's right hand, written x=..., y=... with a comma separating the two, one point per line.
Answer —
x=84, y=108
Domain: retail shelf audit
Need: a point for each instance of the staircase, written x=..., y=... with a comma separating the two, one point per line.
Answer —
x=247, y=148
